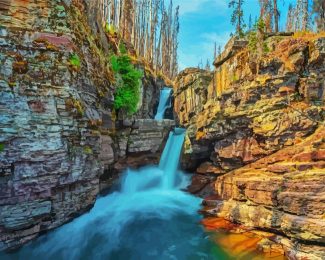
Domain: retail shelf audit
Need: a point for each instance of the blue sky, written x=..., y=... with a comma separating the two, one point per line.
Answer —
x=203, y=22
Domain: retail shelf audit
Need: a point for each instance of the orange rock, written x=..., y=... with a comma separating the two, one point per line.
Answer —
x=209, y=168
x=278, y=168
x=243, y=244
x=287, y=89
x=218, y=223
x=303, y=157
x=319, y=155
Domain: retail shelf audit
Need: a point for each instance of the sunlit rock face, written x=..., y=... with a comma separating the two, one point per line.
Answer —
x=264, y=110
x=57, y=126
x=190, y=93
x=257, y=113
x=284, y=192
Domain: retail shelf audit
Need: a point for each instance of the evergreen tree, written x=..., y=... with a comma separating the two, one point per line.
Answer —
x=237, y=17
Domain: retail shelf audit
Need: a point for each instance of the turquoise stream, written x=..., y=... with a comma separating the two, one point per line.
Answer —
x=149, y=217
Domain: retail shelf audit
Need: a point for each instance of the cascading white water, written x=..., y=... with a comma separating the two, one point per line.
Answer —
x=170, y=157
x=164, y=103
x=149, y=218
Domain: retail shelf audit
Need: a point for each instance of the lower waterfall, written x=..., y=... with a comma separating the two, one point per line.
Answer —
x=149, y=217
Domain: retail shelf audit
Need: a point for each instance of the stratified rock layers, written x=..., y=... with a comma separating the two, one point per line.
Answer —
x=260, y=138
x=58, y=131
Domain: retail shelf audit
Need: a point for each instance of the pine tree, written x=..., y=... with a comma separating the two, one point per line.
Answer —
x=237, y=17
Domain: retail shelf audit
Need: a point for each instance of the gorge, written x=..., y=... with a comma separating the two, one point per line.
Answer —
x=148, y=203
x=221, y=164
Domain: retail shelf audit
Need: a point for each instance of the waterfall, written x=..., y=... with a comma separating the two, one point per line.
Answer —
x=164, y=103
x=165, y=176
x=170, y=157
x=149, y=217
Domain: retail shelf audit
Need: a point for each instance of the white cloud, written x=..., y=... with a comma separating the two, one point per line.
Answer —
x=218, y=38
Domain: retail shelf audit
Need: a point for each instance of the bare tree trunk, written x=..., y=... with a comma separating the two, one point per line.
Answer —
x=276, y=15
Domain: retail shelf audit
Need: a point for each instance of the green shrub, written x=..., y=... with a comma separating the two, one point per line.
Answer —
x=2, y=147
x=253, y=38
x=75, y=60
x=252, y=41
x=127, y=95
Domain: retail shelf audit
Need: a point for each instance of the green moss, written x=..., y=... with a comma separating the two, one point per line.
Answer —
x=60, y=8
x=88, y=150
x=75, y=60
x=298, y=97
x=234, y=78
x=109, y=28
x=127, y=95
x=266, y=48
x=2, y=147
x=72, y=103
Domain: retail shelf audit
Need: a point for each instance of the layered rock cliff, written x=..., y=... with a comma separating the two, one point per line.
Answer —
x=257, y=143
x=59, y=133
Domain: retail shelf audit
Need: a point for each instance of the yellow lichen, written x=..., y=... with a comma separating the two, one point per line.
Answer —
x=76, y=105
x=87, y=150
x=199, y=135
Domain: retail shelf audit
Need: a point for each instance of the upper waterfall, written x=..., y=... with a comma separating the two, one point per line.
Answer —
x=164, y=103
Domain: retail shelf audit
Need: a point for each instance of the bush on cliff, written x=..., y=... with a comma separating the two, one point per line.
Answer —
x=127, y=95
x=254, y=38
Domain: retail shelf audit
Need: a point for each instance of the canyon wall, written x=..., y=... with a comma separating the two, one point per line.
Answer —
x=59, y=133
x=257, y=143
